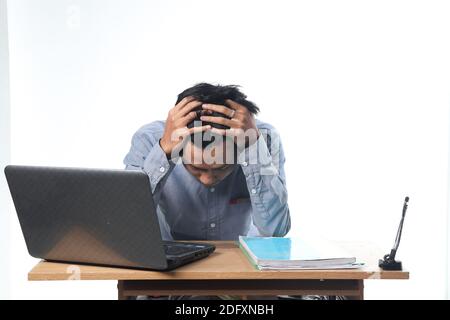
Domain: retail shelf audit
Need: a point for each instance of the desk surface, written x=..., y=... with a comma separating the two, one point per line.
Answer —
x=227, y=262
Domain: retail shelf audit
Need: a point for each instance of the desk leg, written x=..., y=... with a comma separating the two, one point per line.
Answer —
x=120, y=290
x=360, y=295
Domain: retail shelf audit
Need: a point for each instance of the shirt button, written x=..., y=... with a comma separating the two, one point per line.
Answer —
x=213, y=225
x=212, y=189
x=245, y=164
x=162, y=169
x=253, y=191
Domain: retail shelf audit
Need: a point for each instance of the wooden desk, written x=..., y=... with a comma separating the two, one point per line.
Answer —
x=228, y=272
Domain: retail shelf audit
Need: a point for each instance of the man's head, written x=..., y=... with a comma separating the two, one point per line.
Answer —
x=207, y=156
x=216, y=94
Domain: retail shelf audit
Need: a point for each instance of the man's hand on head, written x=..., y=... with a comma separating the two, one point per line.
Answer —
x=240, y=120
x=176, y=130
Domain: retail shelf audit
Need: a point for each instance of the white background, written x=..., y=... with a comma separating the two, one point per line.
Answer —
x=359, y=91
x=5, y=140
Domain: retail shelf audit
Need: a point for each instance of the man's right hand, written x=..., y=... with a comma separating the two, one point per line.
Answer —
x=176, y=130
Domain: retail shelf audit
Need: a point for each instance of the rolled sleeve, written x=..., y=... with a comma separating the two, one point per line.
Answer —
x=156, y=165
x=147, y=155
x=264, y=173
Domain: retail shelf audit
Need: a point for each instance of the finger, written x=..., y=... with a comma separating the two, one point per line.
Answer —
x=234, y=105
x=183, y=102
x=220, y=120
x=220, y=132
x=199, y=129
x=186, y=109
x=183, y=121
x=219, y=108
x=182, y=133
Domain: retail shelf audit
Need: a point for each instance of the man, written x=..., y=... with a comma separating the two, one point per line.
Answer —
x=215, y=171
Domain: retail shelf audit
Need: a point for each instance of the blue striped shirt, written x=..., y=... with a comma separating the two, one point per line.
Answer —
x=251, y=201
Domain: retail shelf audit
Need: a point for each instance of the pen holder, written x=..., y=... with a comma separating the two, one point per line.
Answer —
x=390, y=265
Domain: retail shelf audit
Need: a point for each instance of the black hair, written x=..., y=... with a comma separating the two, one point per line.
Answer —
x=215, y=94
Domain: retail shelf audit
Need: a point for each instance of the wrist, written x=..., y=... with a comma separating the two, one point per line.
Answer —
x=165, y=148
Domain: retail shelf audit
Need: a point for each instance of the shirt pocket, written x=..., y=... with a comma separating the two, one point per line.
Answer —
x=236, y=218
x=238, y=201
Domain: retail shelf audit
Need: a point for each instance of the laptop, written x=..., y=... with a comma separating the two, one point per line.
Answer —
x=94, y=216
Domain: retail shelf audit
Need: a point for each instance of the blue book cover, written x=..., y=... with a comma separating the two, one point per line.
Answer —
x=273, y=252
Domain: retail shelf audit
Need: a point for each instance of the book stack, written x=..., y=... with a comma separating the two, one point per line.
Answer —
x=270, y=253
